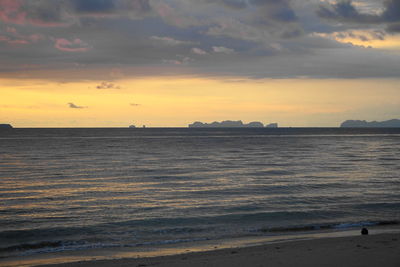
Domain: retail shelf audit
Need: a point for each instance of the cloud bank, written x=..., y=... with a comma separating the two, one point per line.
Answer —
x=346, y=11
x=246, y=38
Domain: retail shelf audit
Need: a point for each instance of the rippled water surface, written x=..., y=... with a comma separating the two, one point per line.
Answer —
x=66, y=189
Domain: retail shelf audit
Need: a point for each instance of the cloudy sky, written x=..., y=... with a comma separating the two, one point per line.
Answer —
x=171, y=62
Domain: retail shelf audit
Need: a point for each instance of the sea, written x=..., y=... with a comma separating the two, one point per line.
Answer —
x=78, y=189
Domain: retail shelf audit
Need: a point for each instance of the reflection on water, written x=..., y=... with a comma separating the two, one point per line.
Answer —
x=87, y=188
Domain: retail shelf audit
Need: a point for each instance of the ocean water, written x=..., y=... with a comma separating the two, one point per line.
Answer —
x=77, y=189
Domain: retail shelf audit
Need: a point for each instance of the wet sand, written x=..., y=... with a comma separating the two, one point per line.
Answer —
x=382, y=250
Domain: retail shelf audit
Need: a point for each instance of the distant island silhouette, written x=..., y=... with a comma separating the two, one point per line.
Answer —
x=5, y=126
x=272, y=125
x=372, y=124
x=231, y=124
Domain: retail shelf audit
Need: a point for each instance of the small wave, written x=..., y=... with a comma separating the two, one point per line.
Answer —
x=182, y=230
x=353, y=225
x=338, y=226
x=166, y=242
x=275, y=172
x=61, y=246
x=388, y=159
x=383, y=205
x=51, y=247
x=32, y=246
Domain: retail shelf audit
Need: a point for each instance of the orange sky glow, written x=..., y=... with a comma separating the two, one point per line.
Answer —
x=169, y=63
x=178, y=101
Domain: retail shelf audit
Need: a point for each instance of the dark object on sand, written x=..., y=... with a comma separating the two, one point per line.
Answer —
x=364, y=231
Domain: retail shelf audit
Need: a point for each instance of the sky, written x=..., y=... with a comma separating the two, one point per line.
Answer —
x=168, y=63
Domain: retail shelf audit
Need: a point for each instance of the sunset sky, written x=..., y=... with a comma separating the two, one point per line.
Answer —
x=112, y=63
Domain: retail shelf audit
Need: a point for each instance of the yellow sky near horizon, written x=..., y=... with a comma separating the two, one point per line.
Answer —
x=178, y=101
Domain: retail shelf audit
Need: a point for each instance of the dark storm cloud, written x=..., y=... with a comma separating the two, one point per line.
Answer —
x=57, y=13
x=394, y=27
x=278, y=10
x=392, y=15
x=392, y=11
x=93, y=6
x=109, y=6
x=292, y=33
x=256, y=38
x=45, y=13
x=128, y=8
x=38, y=13
x=346, y=11
x=235, y=4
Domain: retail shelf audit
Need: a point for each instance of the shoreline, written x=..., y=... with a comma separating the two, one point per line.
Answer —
x=371, y=250
x=211, y=249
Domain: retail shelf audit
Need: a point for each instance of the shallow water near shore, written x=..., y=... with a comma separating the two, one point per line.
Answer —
x=142, y=252
x=69, y=190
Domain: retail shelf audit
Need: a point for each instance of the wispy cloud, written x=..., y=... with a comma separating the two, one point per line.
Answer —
x=170, y=41
x=222, y=49
x=76, y=45
x=198, y=51
x=180, y=60
x=72, y=105
x=108, y=85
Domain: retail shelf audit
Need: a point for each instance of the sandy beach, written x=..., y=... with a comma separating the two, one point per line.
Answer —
x=372, y=250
